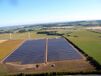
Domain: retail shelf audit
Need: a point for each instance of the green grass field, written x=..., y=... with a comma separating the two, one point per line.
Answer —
x=25, y=35
x=88, y=41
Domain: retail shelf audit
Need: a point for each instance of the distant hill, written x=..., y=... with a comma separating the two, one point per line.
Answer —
x=30, y=27
x=74, y=23
x=86, y=23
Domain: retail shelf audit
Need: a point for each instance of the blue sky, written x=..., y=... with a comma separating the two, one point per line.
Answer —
x=43, y=11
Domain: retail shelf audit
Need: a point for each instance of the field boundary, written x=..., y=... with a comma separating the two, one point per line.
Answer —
x=12, y=51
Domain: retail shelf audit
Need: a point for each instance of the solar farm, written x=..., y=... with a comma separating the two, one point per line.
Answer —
x=34, y=51
x=41, y=54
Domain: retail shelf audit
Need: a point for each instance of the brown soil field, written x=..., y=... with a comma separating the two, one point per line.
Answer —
x=59, y=66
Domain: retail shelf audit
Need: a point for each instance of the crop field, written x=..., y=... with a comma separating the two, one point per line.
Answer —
x=88, y=41
x=33, y=51
x=4, y=36
x=25, y=35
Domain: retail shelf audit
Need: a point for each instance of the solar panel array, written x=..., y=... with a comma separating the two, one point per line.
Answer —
x=60, y=49
x=33, y=51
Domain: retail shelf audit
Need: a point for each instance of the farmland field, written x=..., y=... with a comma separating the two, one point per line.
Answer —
x=25, y=35
x=89, y=42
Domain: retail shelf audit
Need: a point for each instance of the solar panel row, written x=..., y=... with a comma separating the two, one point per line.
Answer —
x=60, y=49
x=33, y=51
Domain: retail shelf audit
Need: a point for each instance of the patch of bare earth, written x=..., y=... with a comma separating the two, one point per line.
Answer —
x=1, y=41
x=56, y=66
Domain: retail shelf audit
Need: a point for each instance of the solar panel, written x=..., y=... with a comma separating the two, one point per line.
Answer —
x=60, y=49
x=33, y=51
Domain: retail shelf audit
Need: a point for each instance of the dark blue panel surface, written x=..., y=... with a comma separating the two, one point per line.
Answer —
x=60, y=49
x=32, y=51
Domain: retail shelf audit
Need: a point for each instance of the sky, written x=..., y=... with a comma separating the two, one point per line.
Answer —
x=18, y=12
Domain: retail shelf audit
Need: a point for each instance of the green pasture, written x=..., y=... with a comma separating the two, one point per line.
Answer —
x=88, y=41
